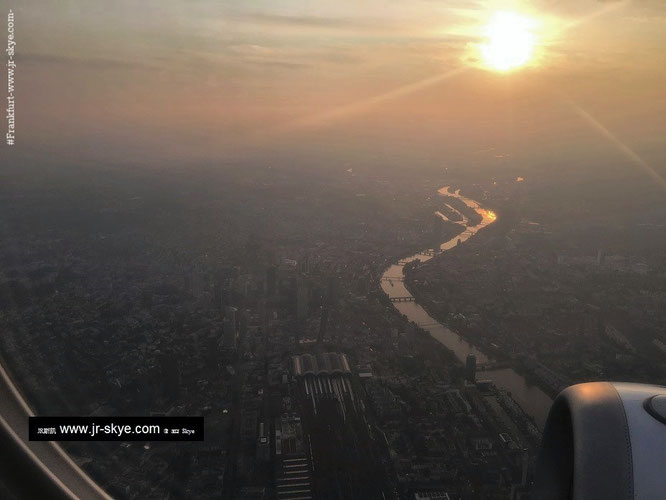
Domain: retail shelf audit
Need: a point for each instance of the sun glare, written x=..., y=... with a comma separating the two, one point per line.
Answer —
x=509, y=41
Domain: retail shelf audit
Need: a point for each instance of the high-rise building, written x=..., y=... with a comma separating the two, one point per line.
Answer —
x=263, y=443
x=470, y=368
x=524, y=462
x=302, y=298
x=437, y=226
x=229, y=332
x=230, y=313
x=230, y=329
x=323, y=323
x=169, y=374
x=271, y=281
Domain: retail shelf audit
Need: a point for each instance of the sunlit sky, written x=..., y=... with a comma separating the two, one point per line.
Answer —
x=345, y=81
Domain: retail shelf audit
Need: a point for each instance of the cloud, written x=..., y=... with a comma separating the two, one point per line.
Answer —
x=593, y=8
x=291, y=57
x=87, y=62
x=359, y=26
x=307, y=21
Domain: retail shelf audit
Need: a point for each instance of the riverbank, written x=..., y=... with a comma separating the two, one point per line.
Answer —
x=495, y=355
x=531, y=398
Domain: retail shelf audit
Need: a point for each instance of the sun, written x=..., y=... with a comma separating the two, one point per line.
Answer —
x=509, y=41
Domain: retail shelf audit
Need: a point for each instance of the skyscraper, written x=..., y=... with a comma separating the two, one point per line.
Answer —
x=302, y=298
x=229, y=326
x=470, y=368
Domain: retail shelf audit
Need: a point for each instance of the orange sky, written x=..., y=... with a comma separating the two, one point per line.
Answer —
x=340, y=81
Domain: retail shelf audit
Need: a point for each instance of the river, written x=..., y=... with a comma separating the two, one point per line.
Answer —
x=533, y=400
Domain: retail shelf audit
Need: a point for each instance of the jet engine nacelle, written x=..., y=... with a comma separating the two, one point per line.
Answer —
x=604, y=440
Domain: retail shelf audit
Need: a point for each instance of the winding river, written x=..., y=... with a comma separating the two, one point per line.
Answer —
x=532, y=399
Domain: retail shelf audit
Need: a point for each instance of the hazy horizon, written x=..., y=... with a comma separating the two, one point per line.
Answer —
x=337, y=83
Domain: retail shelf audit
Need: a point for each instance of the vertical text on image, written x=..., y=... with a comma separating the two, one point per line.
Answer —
x=10, y=136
